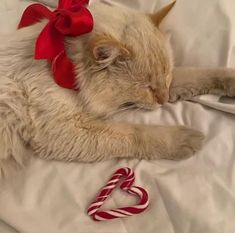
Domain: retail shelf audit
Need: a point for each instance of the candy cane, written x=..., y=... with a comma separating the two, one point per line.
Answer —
x=128, y=178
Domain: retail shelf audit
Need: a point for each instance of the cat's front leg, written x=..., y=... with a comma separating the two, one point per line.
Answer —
x=169, y=142
x=189, y=82
x=90, y=141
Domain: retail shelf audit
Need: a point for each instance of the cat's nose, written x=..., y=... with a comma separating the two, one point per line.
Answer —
x=162, y=97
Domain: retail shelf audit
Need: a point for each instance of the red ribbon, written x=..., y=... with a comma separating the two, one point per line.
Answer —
x=71, y=18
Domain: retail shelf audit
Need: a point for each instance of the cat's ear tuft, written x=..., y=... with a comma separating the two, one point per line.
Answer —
x=160, y=15
x=106, y=50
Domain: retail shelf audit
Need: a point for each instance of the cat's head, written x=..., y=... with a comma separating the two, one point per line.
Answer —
x=126, y=61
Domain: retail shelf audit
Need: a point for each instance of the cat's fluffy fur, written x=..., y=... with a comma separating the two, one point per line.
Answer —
x=125, y=62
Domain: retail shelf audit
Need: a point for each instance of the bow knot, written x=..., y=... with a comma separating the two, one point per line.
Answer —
x=73, y=21
x=71, y=18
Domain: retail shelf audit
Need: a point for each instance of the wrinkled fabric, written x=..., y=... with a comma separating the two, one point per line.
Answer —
x=192, y=196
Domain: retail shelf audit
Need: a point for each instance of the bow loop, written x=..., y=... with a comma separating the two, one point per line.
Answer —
x=33, y=14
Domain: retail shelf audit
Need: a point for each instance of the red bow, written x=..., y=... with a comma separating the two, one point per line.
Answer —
x=71, y=18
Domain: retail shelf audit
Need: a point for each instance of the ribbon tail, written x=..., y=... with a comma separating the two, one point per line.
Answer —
x=65, y=4
x=33, y=14
x=49, y=43
x=63, y=71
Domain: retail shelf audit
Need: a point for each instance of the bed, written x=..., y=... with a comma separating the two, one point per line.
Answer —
x=192, y=196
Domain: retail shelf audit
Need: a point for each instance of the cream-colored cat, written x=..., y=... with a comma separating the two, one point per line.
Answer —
x=124, y=63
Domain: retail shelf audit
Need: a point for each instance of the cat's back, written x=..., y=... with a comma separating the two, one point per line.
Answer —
x=17, y=50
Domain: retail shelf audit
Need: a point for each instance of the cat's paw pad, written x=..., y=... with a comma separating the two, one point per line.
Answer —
x=187, y=142
x=180, y=93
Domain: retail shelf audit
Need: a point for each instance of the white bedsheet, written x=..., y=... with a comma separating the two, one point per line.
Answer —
x=192, y=196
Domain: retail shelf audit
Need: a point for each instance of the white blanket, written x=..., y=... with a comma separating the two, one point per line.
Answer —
x=192, y=196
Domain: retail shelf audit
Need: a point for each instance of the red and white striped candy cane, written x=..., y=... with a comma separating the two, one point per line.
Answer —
x=127, y=175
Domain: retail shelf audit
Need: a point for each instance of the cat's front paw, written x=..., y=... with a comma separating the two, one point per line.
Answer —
x=230, y=89
x=168, y=142
x=186, y=142
x=181, y=93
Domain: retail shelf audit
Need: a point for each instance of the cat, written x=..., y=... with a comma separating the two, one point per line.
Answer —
x=124, y=63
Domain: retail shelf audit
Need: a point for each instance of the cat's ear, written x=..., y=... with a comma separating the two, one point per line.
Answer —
x=160, y=15
x=106, y=50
